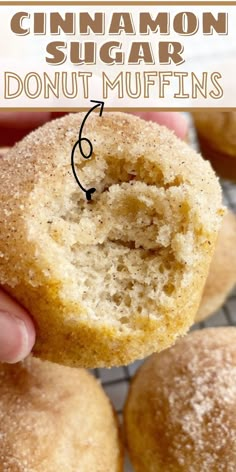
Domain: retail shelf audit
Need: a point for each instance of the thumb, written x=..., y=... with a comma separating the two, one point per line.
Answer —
x=17, y=334
x=173, y=120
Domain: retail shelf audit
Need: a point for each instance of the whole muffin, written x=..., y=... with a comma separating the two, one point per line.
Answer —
x=108, y=280
x=222, y=274
x=180, y=414
x=55, y=419
x=216, y=132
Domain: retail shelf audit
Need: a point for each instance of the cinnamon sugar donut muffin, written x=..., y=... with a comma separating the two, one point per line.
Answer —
x=55, y=419
x=217, y=138
x=222, y=275
x=121, y=276
x=180, y=415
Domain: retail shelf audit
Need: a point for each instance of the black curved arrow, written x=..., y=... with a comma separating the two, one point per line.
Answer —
x=90, y=191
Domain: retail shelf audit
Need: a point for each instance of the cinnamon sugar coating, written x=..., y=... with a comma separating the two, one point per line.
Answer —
x=222, y=274
x=120, y=277
x=55, y=419
x=180, y=415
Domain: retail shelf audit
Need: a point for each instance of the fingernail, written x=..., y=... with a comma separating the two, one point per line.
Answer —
x=14, y=338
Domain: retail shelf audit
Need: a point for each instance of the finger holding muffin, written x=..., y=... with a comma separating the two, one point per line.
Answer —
x=108, y=281
x=110, y=278
x=16, y=327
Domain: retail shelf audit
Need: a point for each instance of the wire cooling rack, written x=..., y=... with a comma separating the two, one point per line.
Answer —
x=116, y=380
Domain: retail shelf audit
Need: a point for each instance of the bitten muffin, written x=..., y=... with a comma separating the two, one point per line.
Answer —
x=56, y=419
x=180, y=415
x=222, y=275
x=116, y=278
x=216, y=132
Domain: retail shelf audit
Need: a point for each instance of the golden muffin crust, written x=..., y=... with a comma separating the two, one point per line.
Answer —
x=107, y=281
x=180, y=415
x=222, y=274
x=55, y=419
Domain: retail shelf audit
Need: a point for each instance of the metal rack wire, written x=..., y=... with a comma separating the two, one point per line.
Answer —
x=116, y=381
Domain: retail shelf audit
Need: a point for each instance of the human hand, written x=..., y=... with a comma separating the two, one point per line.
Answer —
x=17, y=332
x=173, y=120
